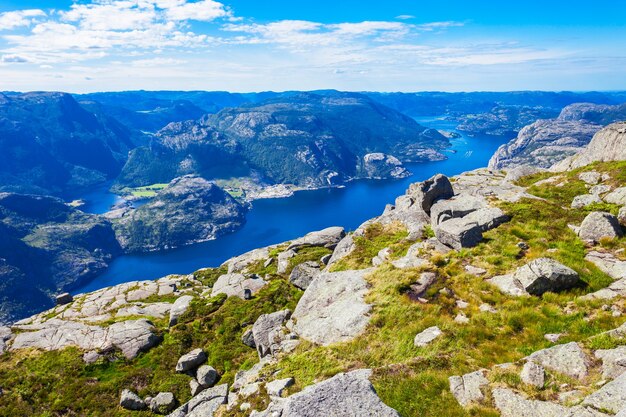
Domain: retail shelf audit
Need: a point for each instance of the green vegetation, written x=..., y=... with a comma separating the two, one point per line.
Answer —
x=147, y=191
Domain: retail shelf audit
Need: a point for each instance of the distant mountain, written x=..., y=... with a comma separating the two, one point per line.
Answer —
x=50, y=144
x=546, y=142
x=306, y=139
x=46, y=247
x=503, y=120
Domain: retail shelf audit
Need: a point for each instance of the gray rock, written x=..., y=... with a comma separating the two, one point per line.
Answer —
x=234, y=285
x=598, y=225
x=191, y=361
x=326, y=258
x=242, y=262
x=411, y=259
x=553, y=337
x=470, y=269
x=333, y=308
x=344, y=395
x=568, y=359
x=613, y=361
x=608, y=264
x=427, y=336
x=207, y=402
x=91, y=357
x=250, y=390
x=609, y=144
x=419, y=288
x=5, y=336
x=63, y=299
x=328, y=237
x=611, y=397
x=590, y=177
x=381, y=257
x=467, y=231
x=428, y=192
x=380, y=166
x=163, y=403
x=467, y=389
x=206, y=376
x=600, y=189
x=195, y=387
x=247, y=338
x=585, y=200
x=487, y=308
x=621, y=216
x=283, y=260
x=533, y=374
x=302, y=274
x=277, y=388
x=536, y=278
x=511, y=404
x=458, y=206
x=617, y=196
x=343, y=249
x=131, y=401
x=267, y=331
x=179, y=308
x=517, y=172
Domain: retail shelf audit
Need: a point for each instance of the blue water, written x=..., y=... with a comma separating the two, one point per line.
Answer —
x=277, y=220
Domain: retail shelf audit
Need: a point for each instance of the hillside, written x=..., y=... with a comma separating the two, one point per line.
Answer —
x=486, y=294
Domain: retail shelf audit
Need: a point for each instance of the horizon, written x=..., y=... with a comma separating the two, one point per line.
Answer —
x=244, y=46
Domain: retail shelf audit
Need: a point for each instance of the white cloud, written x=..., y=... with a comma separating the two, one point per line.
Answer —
x=203, y=10
x=19, y=18
x=405, y=17
x=13, y=59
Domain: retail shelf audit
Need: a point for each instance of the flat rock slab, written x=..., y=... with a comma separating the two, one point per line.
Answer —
x=344, y=395
x=328, y=237
x=511, y=404
x=235, y=285
x=568, y=359
x=613, y=361
x=179, y=308
x=611, y=397
x=468, y=388
x=425, y=337
x=204, y=404
x=608, y=264
x=303, y=274
x=333, y=309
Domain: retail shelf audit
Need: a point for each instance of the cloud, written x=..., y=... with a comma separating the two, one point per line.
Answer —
x=19, y=18
x=204, y=10
x=13, y=59
x=405, y=17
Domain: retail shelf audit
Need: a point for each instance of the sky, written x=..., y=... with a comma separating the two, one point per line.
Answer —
x=260, y=45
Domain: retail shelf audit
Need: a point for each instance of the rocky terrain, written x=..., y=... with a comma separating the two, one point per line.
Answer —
x=189, y=210
x=503, y=120
x=546, y=142
x=488, y=294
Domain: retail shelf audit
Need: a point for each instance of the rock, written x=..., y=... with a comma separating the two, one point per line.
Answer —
x=424, y=282
x=613, y=361
x=428, y=192
x=487, y=308
x=248, y=338
x=590, y=177
x=283, y=260
x=236, y=284
x=250, y=390
x=276, y=388
x=511, y=404
x=268, y=262
x=242, y=262
x=568, y=359
x=190, y=361
x=302, y=274
x=470, y=269
x=617, y=196
x=467, y=231
x=344, y=395
x=621, y=216
x=461, y=319
x=326, y=258
x=458, y=206
x=343, y=249
x=381, y=257
x=328, y=238
x=133, y=337
x=533, y=374
x=553, y=337
x=195, y=387
x=333, y=309
x=427, y=336
x=600, y=189
x=608, y=264
x=163, y=403
x=179, y=308
x=462, y=304
x=204, y=404
x=411, y=259
x=91, y=357
x=598, y=225
x=5, y=336
x=611, y=397
x=63, y=299
x=131, y=401
x=585, y=200
x=467, y=389
x=379, y=166
x=517, y=172
x=206, y=376
x=267, y=331
x=536, y=278
x=609, y=144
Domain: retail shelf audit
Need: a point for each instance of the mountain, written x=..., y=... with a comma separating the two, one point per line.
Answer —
x=189, y=210
x=51, y=145
x=503, y=120
x=316, y=140
x=47, y=247
x=546, y=142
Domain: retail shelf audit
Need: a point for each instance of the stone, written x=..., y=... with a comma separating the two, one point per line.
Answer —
x=617, y=196
x=133, y=337
x=195, y=387
x=268, y=262
x=206, y=376
x=333, y=307
x=326, y=258
x=277, y=388
x=467, y=231
x=461, y=319
x=163, y=403
x=247, y=338
x=537, y=277
x=590, y=177
x=613, y=361
x=467, y=389
x=487, y=308
x=553, y=337
x=343, y=249
x=411, y=259
x=234, y=285
x=242, y=262
x=470, y=269
x=419, y=288
x=302, y=274
x=205, y=403
x=533, y=374
x=344, y=395
x=381, y=257
x=585, y=200
x=179, y=308
x=517, y=172
x=598, y=225
x=250, y=390
x=91, y=357
x=600, y=189
x=621, y=216
x=131, y=401
x=191, y=361
x=428, y=192
x=267, y=331
x=511, y=404
x=427, y=336
x=283, y=260
x=63, y=299
x=455, y=207
x=5, y=336
x=568, y=359
x=608, y=264
x=609, y=144
x=328, y=238
x=611, y=397
x=462, y=304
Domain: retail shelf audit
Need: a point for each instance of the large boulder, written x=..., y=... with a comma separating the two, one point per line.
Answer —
x=609, y=144
x=617, y=196
x=131, y=401
x=455, y=207
x=190, y=361
x=163, y=403
x=235, y=285
x=204, y=404
x=206, y=376
x=467, y=389
x=537, y=277
x=328, y=237
x=611, y=397
x=467, y=231
x=585, y=200
x=267, y=332
x=343, y=249
x=599, y=225
x=568, y=359
x=179, y=308
x=426, y=193
x=613, y=361
x=333, y=307
x=303, y=274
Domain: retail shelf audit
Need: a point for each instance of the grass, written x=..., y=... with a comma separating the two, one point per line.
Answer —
x=147, y=191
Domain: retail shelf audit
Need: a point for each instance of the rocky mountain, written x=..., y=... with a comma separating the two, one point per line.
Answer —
x=316, y=140
x=47, y=247
x=609, y=144
x=546, y=142
x=50, y=144
x=503, y=120
x=189, y=210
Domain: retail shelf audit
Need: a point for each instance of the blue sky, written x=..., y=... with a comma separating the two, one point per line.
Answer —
x=254, y=45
